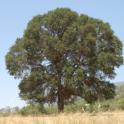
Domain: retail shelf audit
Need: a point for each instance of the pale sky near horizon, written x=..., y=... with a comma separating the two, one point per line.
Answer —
x=15, y=14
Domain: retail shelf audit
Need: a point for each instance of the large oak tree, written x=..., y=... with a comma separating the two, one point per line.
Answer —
x=63, y=55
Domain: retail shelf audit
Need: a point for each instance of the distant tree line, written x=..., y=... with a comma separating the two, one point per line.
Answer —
x=9, y=109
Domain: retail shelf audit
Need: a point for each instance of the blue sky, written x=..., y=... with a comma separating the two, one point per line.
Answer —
x=15, y=14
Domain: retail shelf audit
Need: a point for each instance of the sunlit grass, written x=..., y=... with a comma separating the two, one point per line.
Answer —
x=77, y=118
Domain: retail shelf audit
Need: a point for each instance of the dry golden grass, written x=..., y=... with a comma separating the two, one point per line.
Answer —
x=77, y=118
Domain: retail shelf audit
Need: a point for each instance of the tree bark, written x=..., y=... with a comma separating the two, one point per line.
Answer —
x=60, y=97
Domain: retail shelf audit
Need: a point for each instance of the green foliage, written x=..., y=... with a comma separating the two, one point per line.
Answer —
x=63, y=55
x=52, y=109
x=120, y=91
x=74, y=107
x=114, y=104
x=32, y=110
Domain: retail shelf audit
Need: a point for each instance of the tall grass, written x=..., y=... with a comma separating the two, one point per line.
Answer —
x=77, y=118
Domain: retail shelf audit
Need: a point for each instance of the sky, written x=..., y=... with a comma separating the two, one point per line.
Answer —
x=14, y=16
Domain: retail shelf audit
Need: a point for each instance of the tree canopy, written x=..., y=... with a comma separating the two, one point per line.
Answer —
x=63, y=55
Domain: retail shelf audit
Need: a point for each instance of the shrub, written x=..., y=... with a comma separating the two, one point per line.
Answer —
x=32, y=110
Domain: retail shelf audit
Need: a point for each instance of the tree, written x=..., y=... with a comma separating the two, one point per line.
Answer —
x=63, y=55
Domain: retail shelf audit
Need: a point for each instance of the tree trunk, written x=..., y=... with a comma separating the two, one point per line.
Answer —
x=60, y=97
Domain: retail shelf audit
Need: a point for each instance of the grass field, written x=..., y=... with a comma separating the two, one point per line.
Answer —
x=77, y=118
